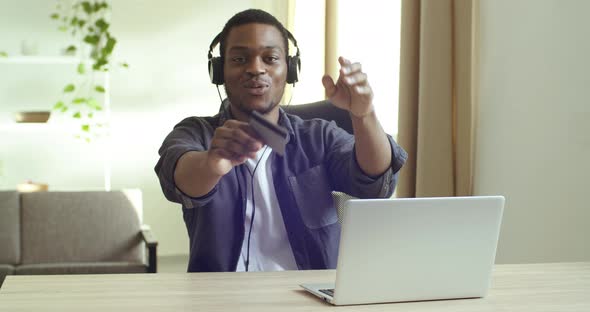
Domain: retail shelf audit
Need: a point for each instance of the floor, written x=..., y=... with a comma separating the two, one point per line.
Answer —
x=172, y=264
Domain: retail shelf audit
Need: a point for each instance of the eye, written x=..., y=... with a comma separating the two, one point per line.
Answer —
x=272, y=59
x=238, y=59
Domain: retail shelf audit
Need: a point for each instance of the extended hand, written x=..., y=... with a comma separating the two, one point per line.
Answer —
x=231, y=145
x=352, y=91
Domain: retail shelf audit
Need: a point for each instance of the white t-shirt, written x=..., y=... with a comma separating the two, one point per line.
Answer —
x=270, y=249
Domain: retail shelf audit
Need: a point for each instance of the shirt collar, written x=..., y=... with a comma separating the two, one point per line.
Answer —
x=285, y=122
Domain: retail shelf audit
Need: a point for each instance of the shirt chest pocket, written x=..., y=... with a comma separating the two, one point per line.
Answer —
x=312, y=192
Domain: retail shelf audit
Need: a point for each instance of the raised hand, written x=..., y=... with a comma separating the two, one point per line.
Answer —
x=352, y=91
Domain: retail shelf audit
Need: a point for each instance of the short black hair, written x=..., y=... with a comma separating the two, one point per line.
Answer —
x=251, y=16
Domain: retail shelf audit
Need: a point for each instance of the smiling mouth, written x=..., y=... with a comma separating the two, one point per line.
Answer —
x=256, y=88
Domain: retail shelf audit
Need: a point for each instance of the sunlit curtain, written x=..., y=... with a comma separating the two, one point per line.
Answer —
x=437, y=99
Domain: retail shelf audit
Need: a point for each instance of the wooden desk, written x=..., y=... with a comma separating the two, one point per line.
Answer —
x=532, y=287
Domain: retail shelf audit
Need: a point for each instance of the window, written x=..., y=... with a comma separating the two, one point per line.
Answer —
x=368, y=33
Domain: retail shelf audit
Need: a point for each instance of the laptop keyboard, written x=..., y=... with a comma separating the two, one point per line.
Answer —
x=329, y=292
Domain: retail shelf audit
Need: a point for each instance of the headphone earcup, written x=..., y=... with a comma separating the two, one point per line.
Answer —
x=293, y=67
x=216, y=70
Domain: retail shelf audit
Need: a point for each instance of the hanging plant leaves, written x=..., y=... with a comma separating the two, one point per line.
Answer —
x=99, y=63
x=69, y=88
x=58, y=105
x=79, y=100
x=87, y=7
x=102, y=24
x=91, y=39
x=100, y=5
x=88, y=21
x=81, y=69
x=108, y=48
x=92, y=103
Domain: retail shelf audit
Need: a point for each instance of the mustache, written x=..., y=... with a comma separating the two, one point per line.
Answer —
x=257, y=82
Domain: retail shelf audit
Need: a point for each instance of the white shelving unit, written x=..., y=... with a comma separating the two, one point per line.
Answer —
x=37, y=60
x=10, y=127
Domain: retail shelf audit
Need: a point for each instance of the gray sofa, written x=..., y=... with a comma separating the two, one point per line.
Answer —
x=74, y=233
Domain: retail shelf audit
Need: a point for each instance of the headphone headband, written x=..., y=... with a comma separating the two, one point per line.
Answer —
x=215, y=42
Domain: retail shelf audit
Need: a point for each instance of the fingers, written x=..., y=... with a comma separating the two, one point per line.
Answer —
x=347, y=67
x=236, y=159
x=242, y=132
x=351, y=73
x=329, y=85
x=363, y=90
x=343, y=61
x=235, y=141
x=353, y=77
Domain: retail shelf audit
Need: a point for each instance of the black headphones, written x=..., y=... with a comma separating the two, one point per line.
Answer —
x=216, y=63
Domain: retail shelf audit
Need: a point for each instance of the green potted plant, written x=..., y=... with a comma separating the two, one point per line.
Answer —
x=88, y=22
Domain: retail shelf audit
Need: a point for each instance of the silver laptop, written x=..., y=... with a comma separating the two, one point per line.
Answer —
x=414, y=249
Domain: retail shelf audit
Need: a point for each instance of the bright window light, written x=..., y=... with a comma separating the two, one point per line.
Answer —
x=369, y=33
x=309, y=23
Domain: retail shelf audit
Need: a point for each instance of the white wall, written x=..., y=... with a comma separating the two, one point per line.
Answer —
x=165, y=44
x=533, y=140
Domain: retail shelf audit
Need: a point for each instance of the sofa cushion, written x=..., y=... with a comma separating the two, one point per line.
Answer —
x=81, y=268
x=66, y=227
x=6, y=269
x=9, y=228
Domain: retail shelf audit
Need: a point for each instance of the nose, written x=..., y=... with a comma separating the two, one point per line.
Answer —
x=256, y=67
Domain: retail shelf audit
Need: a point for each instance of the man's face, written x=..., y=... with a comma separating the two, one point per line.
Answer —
x=255, y=67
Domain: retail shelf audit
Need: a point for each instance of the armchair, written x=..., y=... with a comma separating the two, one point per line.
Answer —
x=74, y=233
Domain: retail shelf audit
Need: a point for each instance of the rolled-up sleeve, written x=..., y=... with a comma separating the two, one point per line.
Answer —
x=191, y=134
x=348, y=177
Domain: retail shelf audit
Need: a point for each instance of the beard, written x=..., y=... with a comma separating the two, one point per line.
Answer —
x=237, y=103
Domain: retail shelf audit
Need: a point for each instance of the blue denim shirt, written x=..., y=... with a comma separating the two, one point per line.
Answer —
x=319, y=158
